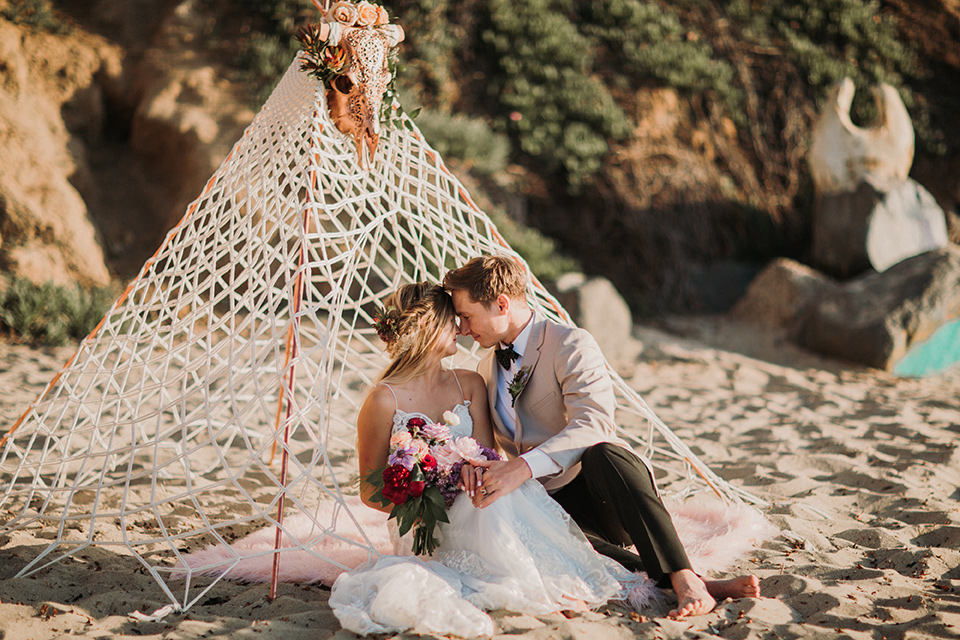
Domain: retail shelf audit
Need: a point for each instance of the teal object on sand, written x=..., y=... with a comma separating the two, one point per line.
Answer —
x=933, y=355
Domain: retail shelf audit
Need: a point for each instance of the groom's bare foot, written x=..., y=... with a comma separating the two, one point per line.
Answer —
x=740, y=587
x=693, y=599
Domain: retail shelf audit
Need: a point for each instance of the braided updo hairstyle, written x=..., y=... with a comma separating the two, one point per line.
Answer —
x=417, y=313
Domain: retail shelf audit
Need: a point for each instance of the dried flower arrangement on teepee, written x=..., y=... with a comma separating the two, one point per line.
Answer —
x=353, y=50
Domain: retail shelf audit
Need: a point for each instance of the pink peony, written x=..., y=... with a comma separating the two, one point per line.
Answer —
x=436, y=432
x=446, y=456
x=468, y=449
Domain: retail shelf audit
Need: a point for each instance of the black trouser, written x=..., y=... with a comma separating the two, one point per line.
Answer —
x=614, y=501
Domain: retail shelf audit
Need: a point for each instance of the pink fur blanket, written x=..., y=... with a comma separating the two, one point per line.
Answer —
x=714, y=534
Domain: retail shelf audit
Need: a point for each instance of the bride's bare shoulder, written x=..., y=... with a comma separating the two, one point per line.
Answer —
x=471, y=381
x=380, y=401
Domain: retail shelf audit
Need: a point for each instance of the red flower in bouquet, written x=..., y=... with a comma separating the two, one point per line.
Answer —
x=416, y=487
x=396, y=484
x=428, y=463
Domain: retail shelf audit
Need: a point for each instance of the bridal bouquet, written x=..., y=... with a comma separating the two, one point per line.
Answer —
x=422, y=475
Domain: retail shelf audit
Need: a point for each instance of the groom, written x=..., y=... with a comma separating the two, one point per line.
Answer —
x=552, y=405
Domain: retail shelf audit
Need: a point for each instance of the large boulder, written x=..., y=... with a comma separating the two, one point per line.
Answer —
x=875, y=226
x=781, y=294
x=595, y=305
x=106, y=140
x=875, y=319
x=45, y=80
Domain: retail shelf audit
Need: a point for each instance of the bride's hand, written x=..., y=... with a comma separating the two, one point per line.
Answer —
x=500, y=478
x=470, y=479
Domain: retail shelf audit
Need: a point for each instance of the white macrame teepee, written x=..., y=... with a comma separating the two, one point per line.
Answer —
x=220, y=391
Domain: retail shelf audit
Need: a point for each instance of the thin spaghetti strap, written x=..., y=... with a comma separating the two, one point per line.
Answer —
x=396, y=401
x=454, y=372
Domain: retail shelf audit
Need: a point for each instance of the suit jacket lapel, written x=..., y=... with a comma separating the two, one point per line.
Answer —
x=531, y=355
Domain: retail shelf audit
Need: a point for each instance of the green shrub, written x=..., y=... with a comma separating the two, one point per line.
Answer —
x=832, y=39
x=434, y=30
x=52, y=315
x=38, y=14
x=562, y=114
x=647, y=41
x=469, y=140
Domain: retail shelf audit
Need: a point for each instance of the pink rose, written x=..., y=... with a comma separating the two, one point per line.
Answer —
x=419, y=448
x=344, y=13
x=382, y=17
x=400, y=439
x=367, y=14
x=435, y=432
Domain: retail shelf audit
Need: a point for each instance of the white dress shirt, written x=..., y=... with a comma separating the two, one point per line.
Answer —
x=540, y=463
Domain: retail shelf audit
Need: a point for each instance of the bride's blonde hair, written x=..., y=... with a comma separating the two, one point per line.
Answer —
x=414, y=316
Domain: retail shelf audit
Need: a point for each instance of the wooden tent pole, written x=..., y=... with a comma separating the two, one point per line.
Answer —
x=292, y=344
x=285, y=454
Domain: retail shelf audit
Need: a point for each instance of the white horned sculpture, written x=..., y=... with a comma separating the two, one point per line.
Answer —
x=842, y=154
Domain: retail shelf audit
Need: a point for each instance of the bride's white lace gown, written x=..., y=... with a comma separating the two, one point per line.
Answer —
x=522, y=553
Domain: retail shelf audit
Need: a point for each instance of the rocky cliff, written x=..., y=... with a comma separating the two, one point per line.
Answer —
x=107, y=132
x=109, y=129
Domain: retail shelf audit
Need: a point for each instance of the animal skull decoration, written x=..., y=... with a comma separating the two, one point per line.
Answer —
x=356, y=85
x=355, y=98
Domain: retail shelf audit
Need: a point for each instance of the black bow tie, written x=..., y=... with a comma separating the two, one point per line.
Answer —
x=506, y=356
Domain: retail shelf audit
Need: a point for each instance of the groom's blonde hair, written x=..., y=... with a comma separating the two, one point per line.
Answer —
x=486, y=277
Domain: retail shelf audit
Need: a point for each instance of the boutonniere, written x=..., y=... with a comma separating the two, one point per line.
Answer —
x=518, y=383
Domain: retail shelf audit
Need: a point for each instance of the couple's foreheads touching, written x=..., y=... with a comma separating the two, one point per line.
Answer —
x=490, y=297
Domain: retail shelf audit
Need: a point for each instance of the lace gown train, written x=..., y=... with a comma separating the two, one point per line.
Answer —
x=523, y=553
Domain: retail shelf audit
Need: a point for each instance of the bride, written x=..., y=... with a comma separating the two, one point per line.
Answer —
x=522, y=553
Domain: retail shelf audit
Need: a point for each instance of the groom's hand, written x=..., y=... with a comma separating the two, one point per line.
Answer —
x=500, y=478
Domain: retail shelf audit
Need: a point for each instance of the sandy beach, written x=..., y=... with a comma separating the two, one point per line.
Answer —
x=860, y=470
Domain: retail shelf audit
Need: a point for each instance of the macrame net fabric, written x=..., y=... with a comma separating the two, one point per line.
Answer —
x=219, y=393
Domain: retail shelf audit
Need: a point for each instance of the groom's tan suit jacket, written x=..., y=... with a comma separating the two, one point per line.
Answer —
x=567, y=404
